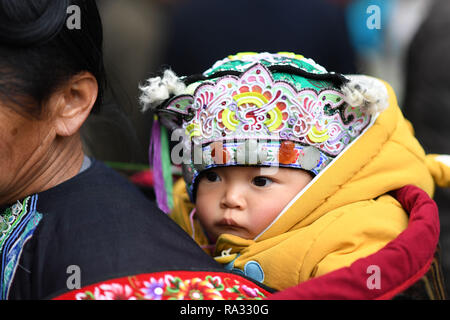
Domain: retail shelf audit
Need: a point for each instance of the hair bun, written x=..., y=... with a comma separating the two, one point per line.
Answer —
x=29, y=23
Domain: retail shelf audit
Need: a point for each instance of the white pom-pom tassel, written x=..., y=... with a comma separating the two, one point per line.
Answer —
x=366, y=92
x=158, y=90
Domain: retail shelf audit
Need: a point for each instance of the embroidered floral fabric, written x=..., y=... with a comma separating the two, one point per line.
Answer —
x=177, y=285
x=17, y=224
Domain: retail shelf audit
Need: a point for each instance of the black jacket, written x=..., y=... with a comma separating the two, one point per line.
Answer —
x=96, y=224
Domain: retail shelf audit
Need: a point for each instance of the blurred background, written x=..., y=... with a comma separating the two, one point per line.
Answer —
x=406, y=42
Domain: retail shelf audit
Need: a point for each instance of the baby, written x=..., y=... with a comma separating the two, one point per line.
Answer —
x=289, y=166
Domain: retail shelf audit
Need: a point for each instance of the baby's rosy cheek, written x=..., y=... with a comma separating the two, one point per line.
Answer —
x=269, y=212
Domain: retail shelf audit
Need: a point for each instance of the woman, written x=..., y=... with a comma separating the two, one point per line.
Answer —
x=67, y=221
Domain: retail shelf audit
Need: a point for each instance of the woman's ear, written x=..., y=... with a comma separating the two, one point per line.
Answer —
x=73, y=103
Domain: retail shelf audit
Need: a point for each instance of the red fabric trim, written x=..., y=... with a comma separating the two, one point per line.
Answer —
x=401, y=262
x=171, y=285
x=407, y=283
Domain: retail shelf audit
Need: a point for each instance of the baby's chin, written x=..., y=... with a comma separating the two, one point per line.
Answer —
x=235, y=231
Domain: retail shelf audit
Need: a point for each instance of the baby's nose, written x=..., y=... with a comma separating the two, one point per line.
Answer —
x=234, y=197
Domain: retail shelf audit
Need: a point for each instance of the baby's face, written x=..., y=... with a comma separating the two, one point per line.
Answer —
x=243, y=201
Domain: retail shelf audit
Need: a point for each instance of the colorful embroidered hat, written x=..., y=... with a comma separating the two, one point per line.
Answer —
x=261, y=109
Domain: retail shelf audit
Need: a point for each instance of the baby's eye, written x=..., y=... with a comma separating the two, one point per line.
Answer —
x=212, y=176
x=262, y=181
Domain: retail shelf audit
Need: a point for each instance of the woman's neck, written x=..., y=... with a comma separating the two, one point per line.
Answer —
x=60, y=162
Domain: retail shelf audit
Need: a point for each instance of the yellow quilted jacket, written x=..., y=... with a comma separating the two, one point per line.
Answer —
x=346, y=214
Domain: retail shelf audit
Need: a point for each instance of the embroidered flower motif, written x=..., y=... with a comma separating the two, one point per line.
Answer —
x=16, y=208
x=3, y=224
x=197, y=289
x=251, y=292
x=216, y=282
x=88, y=295
x=83, y=296
x=245, y=292
x=153, y=289
x=116, y=291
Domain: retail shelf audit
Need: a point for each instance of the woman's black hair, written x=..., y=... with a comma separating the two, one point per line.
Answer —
x=40, y=49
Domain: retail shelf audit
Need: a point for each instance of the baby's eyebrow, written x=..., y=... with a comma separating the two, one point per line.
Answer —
x=269, y=171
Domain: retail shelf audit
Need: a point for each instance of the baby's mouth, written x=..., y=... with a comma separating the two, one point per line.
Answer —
x=231, y=227
x=229, y=223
